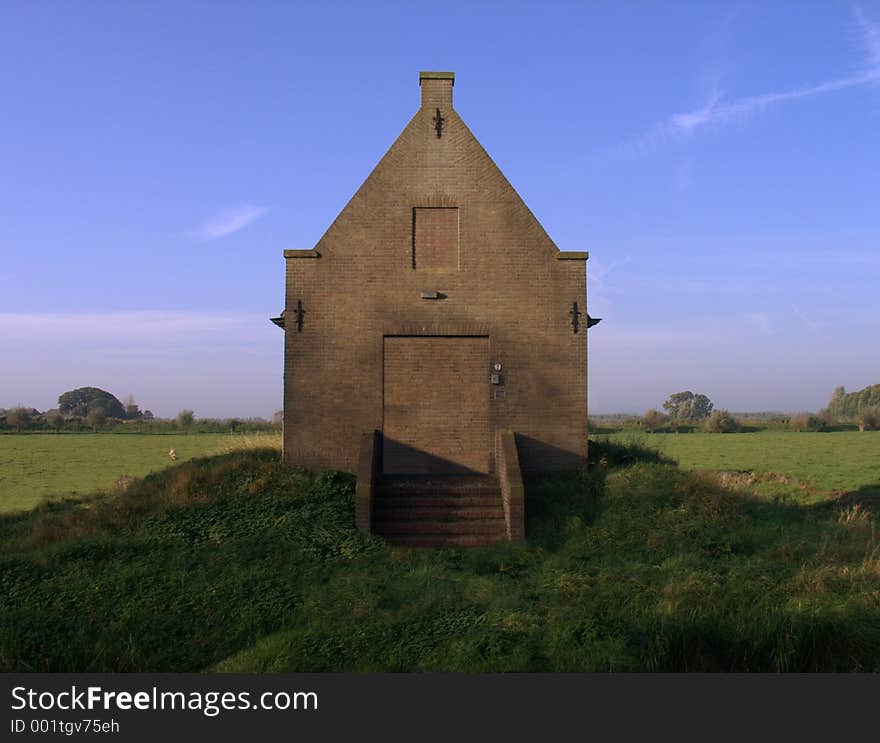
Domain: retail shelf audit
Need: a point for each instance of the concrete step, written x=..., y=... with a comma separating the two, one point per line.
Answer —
x=427, y=485
x=446, y=540
x=436, y=511
x=434, y=527
x=389, y=502
x=436, y=492
x=406, y=512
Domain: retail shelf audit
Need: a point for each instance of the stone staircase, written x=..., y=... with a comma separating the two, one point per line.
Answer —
x=439, y=511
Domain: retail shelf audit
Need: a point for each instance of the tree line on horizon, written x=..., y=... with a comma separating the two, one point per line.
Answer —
x=688, y=411
x=852, y=404
x=91, y=408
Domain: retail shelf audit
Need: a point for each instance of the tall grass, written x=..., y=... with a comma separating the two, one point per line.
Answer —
x=251, y=441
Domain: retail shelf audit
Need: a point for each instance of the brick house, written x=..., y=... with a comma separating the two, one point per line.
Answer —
x=435, y=337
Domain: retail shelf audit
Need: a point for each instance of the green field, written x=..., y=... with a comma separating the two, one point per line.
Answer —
x=811, y=466
x=34, y=467
x=239, y=563
x=816, y=465
x=235, y=562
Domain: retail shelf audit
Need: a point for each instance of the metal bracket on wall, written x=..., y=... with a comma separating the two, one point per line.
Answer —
x=300, y=312
x=438, y=123
x=575, y=317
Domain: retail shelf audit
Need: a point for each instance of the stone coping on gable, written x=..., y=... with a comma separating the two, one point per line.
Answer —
x=435, y=75
x=572, y=255
x=299, y=253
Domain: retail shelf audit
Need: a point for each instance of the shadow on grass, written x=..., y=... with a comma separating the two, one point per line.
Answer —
x=558, y=502
x=866, y=496
x=608, y=453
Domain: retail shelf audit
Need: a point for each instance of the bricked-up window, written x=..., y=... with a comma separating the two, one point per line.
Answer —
x=435, y=238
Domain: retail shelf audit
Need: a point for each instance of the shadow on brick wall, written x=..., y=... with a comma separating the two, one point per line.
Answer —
x=538, y=456
x=402, y=459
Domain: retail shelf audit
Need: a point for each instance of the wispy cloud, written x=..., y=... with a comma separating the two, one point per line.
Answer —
x=598, y=271
x=717, y=111
x=597, y=278
x=870, y=38
x=230, y=220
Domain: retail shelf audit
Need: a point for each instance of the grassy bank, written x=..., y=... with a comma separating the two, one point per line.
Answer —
x=236, y=563
x=34, y=466
x=808, y=466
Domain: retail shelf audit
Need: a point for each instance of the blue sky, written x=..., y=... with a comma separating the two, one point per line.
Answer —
x=719, y=161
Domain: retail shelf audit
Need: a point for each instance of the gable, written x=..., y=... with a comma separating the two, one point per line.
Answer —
x=424, y=171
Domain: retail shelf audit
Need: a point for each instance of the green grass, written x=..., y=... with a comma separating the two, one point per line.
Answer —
x=237, y=563
x=815, y=464
x=34, y=467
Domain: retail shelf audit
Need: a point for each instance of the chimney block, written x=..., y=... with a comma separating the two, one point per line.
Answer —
x=436, y=89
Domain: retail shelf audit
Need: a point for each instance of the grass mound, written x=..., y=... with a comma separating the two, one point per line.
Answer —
x=182, y=568
x=237, y=563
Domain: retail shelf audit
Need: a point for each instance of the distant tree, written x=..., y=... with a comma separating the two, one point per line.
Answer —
x=132, y=411
x=702, y=407
x=233, y=424
x=722, y=421
x=686, y=406
x=849, y=404
x=79, y=401
x=278, y=418
x=97, y=416
x=55, y=419
x=653, y=419
x=868, y=418
x=148, y=415
x=806, y=422
x=798, y=422
x=185, y=418
x=826, y=417
x=18, y=418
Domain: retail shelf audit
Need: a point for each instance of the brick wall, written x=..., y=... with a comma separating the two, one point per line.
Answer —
x=436, y=405
x=435, y=239
x=509, y=286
